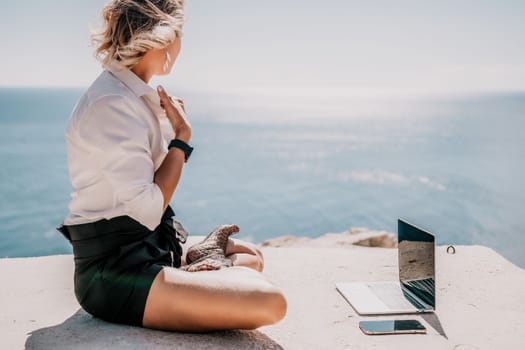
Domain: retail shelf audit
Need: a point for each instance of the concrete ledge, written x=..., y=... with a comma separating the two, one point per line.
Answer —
x=479, y=303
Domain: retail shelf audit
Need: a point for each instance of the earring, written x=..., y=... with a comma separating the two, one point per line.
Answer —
x=167, y=62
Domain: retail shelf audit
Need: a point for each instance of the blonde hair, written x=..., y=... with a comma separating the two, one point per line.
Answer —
x=132, y=27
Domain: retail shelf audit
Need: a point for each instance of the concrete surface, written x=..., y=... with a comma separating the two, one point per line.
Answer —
x=479, y=303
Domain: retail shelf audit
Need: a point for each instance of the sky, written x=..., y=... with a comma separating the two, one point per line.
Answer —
x=288, y=45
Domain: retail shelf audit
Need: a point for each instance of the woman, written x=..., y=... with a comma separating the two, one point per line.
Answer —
x=130, y=265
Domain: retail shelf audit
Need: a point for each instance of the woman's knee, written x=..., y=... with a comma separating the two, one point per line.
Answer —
x=272, y=305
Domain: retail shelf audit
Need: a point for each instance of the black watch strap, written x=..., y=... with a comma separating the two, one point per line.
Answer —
x=183, y=146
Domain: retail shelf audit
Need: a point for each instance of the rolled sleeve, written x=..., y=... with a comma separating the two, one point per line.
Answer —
x=125, y=158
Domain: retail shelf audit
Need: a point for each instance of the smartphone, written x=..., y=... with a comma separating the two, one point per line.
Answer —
x=392, y=327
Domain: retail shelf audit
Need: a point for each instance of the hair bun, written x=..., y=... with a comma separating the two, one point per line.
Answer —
x=132, y=27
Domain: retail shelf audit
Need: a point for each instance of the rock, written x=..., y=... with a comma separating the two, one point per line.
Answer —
x=284, y=241
x=356, y=236
x=383, y=241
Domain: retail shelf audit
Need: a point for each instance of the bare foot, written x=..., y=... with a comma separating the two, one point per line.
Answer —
x=213, y=245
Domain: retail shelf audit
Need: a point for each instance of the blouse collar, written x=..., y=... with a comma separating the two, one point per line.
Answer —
x=126, y=75
x=137, y=85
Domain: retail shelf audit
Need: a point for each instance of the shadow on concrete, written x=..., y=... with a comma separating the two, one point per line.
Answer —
x=433, y=320
x=83, y=331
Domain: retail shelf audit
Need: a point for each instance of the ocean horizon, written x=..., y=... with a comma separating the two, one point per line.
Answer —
x=277, y=164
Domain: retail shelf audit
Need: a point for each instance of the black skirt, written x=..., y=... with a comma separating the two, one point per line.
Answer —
x=116, y=261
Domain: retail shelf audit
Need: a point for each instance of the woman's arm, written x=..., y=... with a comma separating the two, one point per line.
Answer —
x=168, y=174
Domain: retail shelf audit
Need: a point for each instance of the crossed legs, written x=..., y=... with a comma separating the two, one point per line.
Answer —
x=237, y=297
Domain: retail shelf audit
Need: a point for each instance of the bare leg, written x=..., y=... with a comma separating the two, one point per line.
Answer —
x=246, y=259
x=231, y=298
x=245, y=253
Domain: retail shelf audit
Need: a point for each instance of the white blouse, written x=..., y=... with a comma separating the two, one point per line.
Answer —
x=117, y=137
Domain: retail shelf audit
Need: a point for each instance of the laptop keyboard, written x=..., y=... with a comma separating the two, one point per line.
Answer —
x=424, y=289
x=391, y=295
x=426, y=285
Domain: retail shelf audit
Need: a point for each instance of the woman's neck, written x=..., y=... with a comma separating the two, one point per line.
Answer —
x=142, y=72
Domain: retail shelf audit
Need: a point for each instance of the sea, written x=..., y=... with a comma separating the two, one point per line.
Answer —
x=296, y=163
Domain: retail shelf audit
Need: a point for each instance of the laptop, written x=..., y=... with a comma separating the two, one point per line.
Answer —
x=414, y=293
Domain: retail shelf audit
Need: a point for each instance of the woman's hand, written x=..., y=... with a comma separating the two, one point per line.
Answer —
x=176, y=114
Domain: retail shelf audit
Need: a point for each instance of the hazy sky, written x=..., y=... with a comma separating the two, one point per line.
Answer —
x=237, y=44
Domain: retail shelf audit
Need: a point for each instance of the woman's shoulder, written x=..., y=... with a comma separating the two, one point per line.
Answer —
x=106, y=115
x=107, y=103
x=106, y=89
x=105, y=97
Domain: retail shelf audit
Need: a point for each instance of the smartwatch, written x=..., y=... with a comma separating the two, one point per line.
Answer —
x=183, y=146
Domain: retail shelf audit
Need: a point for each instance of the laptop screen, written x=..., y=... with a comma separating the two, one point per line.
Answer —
x=416, y=263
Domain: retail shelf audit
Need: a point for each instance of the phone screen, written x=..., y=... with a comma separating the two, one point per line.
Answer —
x=392, y=327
